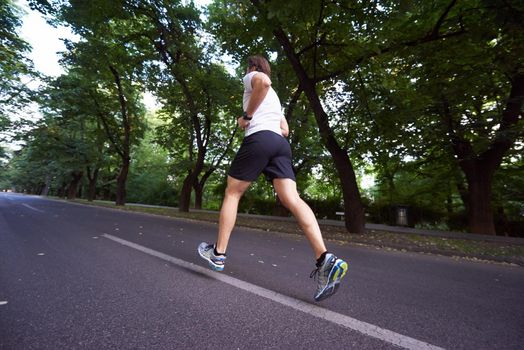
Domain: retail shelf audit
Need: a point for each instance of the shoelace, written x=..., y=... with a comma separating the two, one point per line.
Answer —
x=315, y=273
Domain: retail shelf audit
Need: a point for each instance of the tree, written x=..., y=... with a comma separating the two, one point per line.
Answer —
x=106, y=56
x=150, y=175
x=167, y=36
x=314, y=38
x=67, y=101
x=427, y=93
x=15, y=68
x=327, y=42
x=474, y=85
x=196, y=93
x=117, y=71
x=49, y=157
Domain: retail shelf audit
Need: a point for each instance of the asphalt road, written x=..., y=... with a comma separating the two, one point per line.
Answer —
x=79, y=277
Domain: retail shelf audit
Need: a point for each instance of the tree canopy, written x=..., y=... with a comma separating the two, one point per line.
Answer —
x=426, y=97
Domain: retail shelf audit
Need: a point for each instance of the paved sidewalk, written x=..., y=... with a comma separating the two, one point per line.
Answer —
x=374, y=227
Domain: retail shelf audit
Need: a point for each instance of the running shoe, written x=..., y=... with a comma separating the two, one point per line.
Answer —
x=206, y=251
x=328, y=275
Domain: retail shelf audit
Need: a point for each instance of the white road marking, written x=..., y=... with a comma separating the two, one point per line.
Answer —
x=313, y=310
x=3, y=302
x=32, y=208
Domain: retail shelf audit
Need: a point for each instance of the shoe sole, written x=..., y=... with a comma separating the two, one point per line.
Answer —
x=212, y=265
x=335, y=276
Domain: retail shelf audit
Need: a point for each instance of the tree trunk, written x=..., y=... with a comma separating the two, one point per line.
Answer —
x=480, y=168
x=92, y=184
x=126, y=143
x=121, y=182
x=199, y=185
x=199, y=193
x=73, y=185
x=185, y=193
x=47, y=186
x=189, y=181
x=61, y=191
x=187, y=186
x=353, y=208
x=479, y=208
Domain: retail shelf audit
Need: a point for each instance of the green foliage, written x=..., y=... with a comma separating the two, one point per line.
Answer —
x=399, y=80
x=150, y=180
x=14, y=66
x=508, y=185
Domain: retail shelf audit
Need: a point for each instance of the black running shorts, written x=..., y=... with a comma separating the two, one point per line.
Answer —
x=263, y=152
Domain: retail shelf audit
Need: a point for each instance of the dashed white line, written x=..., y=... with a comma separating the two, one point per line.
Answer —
x=317, y=311
x=32, y=208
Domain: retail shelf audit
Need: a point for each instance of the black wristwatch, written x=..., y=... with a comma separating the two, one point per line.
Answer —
x=246, y=117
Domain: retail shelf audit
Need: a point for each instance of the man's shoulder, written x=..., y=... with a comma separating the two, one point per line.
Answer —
x=262, y=77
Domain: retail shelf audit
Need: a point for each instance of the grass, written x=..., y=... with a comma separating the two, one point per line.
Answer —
x=463, y=248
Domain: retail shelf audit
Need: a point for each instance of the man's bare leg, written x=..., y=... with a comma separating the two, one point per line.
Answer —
x=287, y=192
x=330, y=269
x=228, y=213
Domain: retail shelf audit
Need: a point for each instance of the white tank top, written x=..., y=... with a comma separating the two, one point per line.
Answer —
x=268, y=114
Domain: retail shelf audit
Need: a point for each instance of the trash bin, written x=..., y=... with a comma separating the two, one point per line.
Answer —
x=402, y=216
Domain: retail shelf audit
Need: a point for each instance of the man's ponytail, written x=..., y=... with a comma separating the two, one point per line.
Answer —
x=260, y=64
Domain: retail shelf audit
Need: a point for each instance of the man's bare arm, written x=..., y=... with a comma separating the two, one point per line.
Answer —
x=260, y=83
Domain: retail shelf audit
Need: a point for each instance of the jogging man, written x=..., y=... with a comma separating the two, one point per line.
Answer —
x=265, y=150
